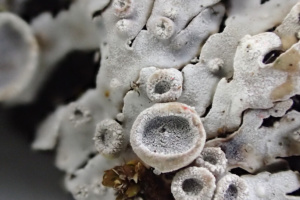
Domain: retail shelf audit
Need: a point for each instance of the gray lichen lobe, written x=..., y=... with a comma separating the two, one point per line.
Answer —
x=164, y=65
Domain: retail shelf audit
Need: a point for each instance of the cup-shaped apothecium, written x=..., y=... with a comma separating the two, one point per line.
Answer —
x=193, y=183
x=233, y=187
x=165, y=85
x=168, y=136
x=122, y=8
x=109, y=138
x=213, y=159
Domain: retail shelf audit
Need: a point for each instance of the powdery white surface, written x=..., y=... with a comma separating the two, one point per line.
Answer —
x=241, y=14
x=86, y=183
x=267, y=186
x=141, y=38
x=77, y=127
x=254, y=85
x=253, y=146
x=120, y=66
x=109, y=138
x=199, y=84
x=164, y=85
x=194, y=183
x=289, y=29
x=231, y=186
x=123, y=61
x=167, y=136
x=213, y=159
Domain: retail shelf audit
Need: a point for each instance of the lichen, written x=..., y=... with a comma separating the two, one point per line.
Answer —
x=109, y=138
x=190, y=92
x=193, y=183
x=167, y=136
x=213, y=158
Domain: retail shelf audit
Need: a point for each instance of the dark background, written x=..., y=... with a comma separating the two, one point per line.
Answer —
x=26, y=174
x=31, y=175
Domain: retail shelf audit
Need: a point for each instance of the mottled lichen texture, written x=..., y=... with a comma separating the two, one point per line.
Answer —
x=203, y=93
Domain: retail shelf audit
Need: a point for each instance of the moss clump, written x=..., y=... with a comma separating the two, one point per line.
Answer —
x=133, y=179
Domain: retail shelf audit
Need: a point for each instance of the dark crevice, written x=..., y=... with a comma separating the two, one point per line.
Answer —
x=130, y=42
x=99, y=12
x=271, y=29
x=263, y=1
x=229, y=79
x=278, y=166
x=75, y=74
x=293, y=162
x=119, y=122
x=295, y=193
x=239, y=171
x=92, y=155
x=195, y=60
x=227, y=4
x=149, y=13
x=207, y=111
x=214, y=12
x=224, y=133
x=222, y=25
x=181, y=67
x=189, y=22
x=294, y=166
x=33, y=8
x=72, y=176
x=271, y=56
x=269, y=122
x=296, y=103
x=242, y=116
x=145, y=27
